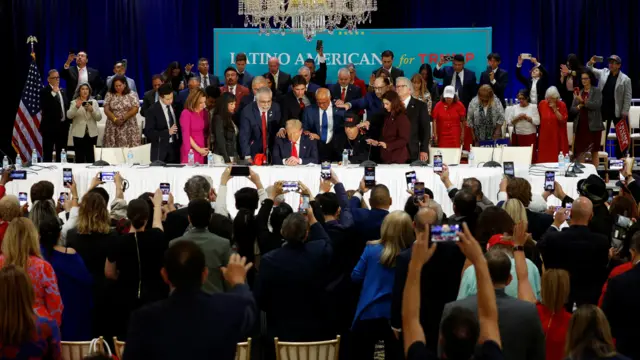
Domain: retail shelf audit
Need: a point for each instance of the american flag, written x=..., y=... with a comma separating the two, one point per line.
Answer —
x=26, y=135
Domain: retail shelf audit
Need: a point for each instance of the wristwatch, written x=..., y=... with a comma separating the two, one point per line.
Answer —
x=518, y=248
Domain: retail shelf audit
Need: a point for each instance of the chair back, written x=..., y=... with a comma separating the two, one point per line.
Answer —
x=320, y=350
x=77, y=350
x=634, y=117
x=119, y=347
x=520, y=155
x=243, y=351
x=450, y=156
x=484, y=154
x=570, y=133
x=117, y=156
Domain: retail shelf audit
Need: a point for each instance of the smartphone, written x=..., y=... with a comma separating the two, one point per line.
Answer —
x=325, y=170
x=85, y=103
x=318, y=44
x=598, y=59
x=62, y=198
x=550, y=181
x=610, y=192
x=166, y=189
x=369, y=176
x=411, y=179
x=437, y=164
x=615, y=164
x=444, y=233
x=304, y=203
x=525, y=56
x=67, y=177
x=239, y=171
x=418, y=192
x=18, y=175
x=22, y=197
x=568, y=208
x=290, y=186
x=448, y=58
x=508, y=169
x=109, y=176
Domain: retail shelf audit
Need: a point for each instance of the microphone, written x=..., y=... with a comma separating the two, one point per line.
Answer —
x=100, y=162
x=492, y=163
x=158, y=162
x=368, y=162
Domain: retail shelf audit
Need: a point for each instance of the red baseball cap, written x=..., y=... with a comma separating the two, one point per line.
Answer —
x=498, y=239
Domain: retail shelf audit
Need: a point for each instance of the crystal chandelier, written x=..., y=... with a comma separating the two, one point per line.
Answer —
x=308, y=17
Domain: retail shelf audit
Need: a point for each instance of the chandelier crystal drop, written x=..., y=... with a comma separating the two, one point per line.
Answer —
x=308, y=17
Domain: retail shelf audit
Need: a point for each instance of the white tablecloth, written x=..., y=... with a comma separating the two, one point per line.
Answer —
x=142, y=179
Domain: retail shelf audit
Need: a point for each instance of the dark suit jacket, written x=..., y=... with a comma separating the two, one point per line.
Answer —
x=241, y=92
x=420, y=120
x=148, y=99
x=538, y=223
x=213, y=80
x=352, y=93
x=311, y=119
x=502, y=80
x=319, y=77
x=541, y=86
x=182, y=96
x=185, y=324
x=469, y=86
x=176, y=224
x=620, y=301
x=291, y=289
x=395, y=73
x=251, y=129
x=52, y=112
x=157, y=132
x=291, y=107
x=284, y=81
x=70, y=75
x=369, y=102
x=245, y=79
x=584, y=254
x=267, y=240
x=308, y=150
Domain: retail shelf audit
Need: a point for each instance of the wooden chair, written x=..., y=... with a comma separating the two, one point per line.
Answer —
x=119, y=347
x=243, y=351
x=320, y=350
x=77, y=350
x=603, y=155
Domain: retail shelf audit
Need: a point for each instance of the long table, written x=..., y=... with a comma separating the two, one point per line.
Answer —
x=143, y=178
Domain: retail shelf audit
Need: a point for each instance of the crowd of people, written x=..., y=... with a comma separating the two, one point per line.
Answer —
x=513, y=280
x=241, y=117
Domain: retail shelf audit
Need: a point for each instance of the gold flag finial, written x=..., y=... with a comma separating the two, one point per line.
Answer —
x=31, y=40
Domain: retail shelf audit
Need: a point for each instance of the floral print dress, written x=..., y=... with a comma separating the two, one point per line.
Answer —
x=123, y=135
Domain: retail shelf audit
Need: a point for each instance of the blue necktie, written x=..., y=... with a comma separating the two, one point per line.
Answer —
x=458, y=84
x=324, y=127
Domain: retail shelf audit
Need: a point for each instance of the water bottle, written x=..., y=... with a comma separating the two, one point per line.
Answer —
x=472, y=159
x=18, y=162
x=5, y=162
x=560, y=161
x=130, y=157
x=192, y=158
x=210, y=159
x=63, y=156
x=34, y=157
x=345, y=157
x=567, y=161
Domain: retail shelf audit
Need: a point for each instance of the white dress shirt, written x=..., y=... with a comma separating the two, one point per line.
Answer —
x=83, y=76
x=53, y=93
x=524, y=127
x=533, y=94
x=166, y=117
x=494, y=79
x=406, y=102
x=232, y=89
x=329, y=122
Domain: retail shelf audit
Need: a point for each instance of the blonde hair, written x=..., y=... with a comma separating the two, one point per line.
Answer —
x=193, y=98
x=17, y=320
x=589, y=334
x=516, y=210
x=20, y=241
x=488, y=91
x=9, y=208
x=293, y=124
x=417, y=78
x=555, y=289
x=396, y=234
x=93, y=216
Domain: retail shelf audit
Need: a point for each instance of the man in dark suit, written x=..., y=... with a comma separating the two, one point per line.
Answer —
x=418, y=115
x=322, y=121
x=519, y=325
x=81, y=73
x=283, y=80
x=259, y=124
x=295, y=149
x=256, y=83
x=191, y=324
x=495, y=77
x=580, y=251
x=306, y=74
x=344, y=90
x=387, y=64
x=197, y=187
x=193, y=83
x=54, y=125
x=205, y=77
x=295, y=101
x=291, y=285
x=621, y=303
x=151, y=97
x=538, y=83
x=367, y=222
x=244, y=77
x=232, y=86
x=162, y=128
x=463, y=80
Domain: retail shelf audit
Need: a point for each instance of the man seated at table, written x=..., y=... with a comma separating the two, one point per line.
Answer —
x=351, y=140
x=295, y=149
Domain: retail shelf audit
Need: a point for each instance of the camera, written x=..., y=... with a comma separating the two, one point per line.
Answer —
x=619, y=231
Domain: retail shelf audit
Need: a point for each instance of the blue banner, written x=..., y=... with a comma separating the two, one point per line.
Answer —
x=411, y=47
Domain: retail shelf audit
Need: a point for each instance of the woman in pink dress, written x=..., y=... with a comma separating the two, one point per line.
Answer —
x=194, y=126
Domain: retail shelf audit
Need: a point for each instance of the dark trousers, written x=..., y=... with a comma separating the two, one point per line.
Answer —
x=84, y=149
x=55, y=138
x=173, y=154
x=618, y=152
x=367, y=333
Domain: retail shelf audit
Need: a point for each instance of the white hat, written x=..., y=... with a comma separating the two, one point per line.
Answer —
x=449, y=92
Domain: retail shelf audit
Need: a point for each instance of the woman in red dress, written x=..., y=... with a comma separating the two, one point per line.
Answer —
x=395, y=131
x=553, y=316
x=449, y=120
x=553, y=127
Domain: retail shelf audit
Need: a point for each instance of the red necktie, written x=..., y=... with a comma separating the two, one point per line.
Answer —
x=301, y=104
x=344, y=93
x=294, y=151
x=264, y=132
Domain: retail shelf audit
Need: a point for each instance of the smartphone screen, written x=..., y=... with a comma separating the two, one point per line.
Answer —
x=610, y=192
x=67, y=177
x=289, y=186
x=239, y=171
x=304, y=203
x=616, y=164
x=325, y=170
x=411, y=179
x=62, y=198
x=418, y=191
x=18, y=175
x=437, y=164
x=107, y=176
x=550, y=181
x=166, y=189
x=508, y=168
x=369, y=176
x=318, y=44
x=568, y=207
x=444, y=233
x=598, y=59
x=22, y=197
x=525, y=56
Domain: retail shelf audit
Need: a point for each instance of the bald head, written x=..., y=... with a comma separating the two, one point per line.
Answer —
x=582, y=211
x=424, y=217
x=274, y=65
